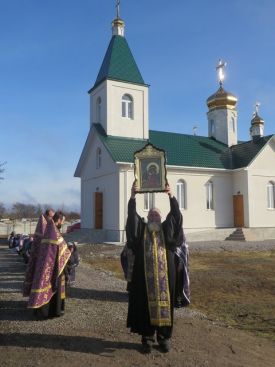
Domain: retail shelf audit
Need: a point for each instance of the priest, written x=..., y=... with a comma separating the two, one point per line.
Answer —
x=152, y=284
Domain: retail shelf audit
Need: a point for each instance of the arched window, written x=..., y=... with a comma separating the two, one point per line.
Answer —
x=98, y=109
x=127, y=106
x=149, y=201
x=271, y=195
x=209, y=195
x=98, y=158
x=212, y=128
x=232, y=125
x=181, y=194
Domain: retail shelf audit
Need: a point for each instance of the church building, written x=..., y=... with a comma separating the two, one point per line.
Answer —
x=218, y=181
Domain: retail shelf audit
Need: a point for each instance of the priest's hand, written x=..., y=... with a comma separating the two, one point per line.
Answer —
x=168, y=190
x=134, y=190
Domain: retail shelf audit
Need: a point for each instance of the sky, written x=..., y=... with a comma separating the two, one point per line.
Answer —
x=51, y=52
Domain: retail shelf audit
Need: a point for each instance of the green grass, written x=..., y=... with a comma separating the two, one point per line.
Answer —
x=235, y=288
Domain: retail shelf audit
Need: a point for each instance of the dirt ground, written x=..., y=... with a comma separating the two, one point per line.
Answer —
x=93, y=330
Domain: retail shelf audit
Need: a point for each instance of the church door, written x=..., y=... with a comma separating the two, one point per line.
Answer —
x=238, y=210
x=98, y=210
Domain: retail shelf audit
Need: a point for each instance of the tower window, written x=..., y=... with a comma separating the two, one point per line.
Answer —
x=149, y=201
x=98, y=158
x=232, y=125
x=98, y=109
x=127, y=106
x=209, y=195
x=271, y=195
x=181, y=194
x=212, y=128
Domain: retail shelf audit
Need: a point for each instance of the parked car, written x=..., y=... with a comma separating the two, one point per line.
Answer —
x=73, y=227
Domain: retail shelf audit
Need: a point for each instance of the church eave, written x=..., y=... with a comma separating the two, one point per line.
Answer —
x=116, y=80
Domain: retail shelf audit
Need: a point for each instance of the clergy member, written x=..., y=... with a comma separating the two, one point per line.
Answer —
x=151, y=289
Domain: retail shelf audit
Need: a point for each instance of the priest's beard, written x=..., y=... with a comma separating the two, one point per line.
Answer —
x=154, y=227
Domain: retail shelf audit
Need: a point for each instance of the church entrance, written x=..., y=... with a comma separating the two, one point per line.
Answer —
x=98, y=210
x=238, y=210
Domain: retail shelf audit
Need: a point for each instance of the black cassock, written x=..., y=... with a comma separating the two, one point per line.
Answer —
x=138, y=319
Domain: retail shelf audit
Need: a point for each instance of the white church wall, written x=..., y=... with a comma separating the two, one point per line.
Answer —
x=196, y=215
x=108, y=186
x=260, y=173
x=89, y=169
x=99, y=92
x=122, y=126
x=103, y=179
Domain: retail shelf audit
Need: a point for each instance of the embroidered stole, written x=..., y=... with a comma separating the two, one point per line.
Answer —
x=156, y=278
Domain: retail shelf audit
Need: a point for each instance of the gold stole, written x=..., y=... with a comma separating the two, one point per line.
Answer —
x=156, y=278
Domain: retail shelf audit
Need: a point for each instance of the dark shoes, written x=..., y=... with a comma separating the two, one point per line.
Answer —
x=164, y=346
x=147, y=344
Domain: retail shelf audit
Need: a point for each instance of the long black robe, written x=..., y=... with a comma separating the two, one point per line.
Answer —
x=138, y=319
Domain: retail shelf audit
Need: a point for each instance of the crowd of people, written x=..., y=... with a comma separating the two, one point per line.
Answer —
x=51, y=263
x=21, y=243
x=154, y=261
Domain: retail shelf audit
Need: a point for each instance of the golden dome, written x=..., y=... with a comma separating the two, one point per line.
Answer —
x=257, y=120
x=221, y=99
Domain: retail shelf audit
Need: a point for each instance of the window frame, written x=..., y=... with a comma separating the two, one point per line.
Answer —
x=127, y=106
x=98, y=157
x=149, y=201
x=98, y=109
x=181, y=194
x=209, y=195
x=271, y=195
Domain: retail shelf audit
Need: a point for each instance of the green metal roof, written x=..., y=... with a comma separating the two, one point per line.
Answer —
x=244, y=153
x=119, y=64
x=185, y=150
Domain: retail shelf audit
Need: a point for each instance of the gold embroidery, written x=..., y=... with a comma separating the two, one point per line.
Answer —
x=159, y=302
x=40, y=290
x=53, y=242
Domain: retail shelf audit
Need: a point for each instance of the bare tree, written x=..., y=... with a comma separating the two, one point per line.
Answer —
x=2, y=210
x=20, y=210
x=2, y=169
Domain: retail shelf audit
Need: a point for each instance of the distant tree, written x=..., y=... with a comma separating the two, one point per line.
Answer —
x=2, y=210
x=72, y=215
x=2, y=169
x=20, y=210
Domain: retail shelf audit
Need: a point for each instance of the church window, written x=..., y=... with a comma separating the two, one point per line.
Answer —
x=127, y=106
x=209, y=195
x=98, y=109
x=232, y=125
x=181, y=194
x=149, y=201
x=212, y=128
x=98, y=158
x=271, y=195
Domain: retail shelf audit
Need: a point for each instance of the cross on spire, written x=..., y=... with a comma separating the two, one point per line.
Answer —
x=117, y=9
x=257, y=107
x=220, y=70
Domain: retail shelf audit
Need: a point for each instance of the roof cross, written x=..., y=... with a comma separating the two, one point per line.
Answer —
x=220, y=69
x=117, y=8
x=257, y=107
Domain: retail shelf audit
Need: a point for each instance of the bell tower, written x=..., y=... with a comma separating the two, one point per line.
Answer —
x=119, y=97
x=257, y=124
x=222, y=114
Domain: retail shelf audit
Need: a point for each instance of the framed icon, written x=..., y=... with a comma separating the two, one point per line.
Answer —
x=150, y=169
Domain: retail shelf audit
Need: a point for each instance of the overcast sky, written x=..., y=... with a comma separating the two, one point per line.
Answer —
x=51, y=52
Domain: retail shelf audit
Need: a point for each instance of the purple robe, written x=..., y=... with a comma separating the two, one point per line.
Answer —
x=52, y=258
x=39, y=232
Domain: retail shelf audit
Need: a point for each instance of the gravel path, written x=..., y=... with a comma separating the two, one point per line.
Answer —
x=93, y=333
